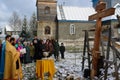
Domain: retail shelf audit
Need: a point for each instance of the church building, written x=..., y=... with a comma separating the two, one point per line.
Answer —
x=64, y=23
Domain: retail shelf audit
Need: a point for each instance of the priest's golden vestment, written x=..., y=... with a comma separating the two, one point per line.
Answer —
x=12, y=71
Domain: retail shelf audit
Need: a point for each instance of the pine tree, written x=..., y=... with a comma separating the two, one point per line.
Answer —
x=33, y=25
x=25, y=29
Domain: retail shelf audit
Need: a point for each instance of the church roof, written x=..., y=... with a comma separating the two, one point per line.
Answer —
x=117, y=12
x=74, y=13
x=9, y=28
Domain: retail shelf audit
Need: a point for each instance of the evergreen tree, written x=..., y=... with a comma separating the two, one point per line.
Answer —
x=25, y=29
x=24, y=26
x=33, y=25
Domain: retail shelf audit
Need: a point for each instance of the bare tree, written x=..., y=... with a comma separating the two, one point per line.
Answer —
x=15, y=22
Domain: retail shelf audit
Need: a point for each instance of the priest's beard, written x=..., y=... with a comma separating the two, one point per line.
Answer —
x=13, y=44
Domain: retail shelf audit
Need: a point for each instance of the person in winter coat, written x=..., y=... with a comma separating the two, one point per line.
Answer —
x=32, y=50
x=62, y=50
x=35, y=42
x=56, y=49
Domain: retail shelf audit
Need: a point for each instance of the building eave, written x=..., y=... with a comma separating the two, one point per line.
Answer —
x=76, y=21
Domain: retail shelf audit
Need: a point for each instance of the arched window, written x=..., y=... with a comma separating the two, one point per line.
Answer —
x=47, y=30
x=72, y=29
x=47, y=10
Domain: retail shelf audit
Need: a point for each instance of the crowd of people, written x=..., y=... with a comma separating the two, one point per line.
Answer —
x=14, y=52
x=50, y=46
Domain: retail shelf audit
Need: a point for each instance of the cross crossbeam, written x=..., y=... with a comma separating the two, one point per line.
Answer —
x=102, y=14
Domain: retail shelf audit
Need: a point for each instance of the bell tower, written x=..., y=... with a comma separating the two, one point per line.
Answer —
x=47, y=18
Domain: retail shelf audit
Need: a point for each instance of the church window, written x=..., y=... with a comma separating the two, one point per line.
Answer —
x=47, y=10
x=72, y=29
x=119, y=30
x=47, y=30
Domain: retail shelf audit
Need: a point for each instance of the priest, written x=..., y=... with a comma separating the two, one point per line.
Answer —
x=2, y=57
x=12, y=69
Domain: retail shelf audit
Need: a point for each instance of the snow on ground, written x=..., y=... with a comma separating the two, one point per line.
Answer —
x=70, y=66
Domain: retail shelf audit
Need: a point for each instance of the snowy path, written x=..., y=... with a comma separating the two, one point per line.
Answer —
x=71, y=65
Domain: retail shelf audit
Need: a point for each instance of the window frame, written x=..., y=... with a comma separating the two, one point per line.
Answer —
x=72, y=29
x=49, y=30
x=47, y=10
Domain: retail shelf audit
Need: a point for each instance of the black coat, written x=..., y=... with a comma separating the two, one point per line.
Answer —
x=36, y=46
x=62, y=49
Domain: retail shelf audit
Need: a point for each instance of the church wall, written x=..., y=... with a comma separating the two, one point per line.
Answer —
x=41, y=11
x=77, y=39
x=115, y=30
x=41, y=29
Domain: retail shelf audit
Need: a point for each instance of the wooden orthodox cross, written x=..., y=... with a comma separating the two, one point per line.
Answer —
x=101, y=12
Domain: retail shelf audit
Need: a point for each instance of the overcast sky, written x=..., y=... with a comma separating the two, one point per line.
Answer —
x=27, y=7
